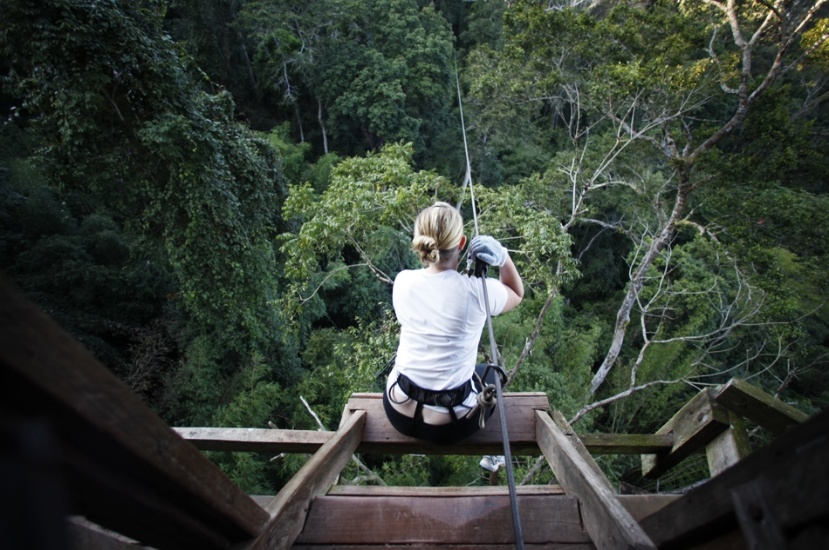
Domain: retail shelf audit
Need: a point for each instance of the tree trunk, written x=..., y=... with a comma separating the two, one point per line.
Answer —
x=322, y=127
x=638, y=278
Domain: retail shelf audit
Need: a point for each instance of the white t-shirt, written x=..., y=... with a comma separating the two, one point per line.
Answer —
x=441, y=316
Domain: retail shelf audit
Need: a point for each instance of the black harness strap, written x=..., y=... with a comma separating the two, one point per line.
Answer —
x=447, y=399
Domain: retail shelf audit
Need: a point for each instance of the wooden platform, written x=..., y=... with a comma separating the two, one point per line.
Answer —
x=77, y=442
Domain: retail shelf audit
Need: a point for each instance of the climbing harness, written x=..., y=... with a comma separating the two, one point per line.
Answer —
x=480, y=271
x=448, y=399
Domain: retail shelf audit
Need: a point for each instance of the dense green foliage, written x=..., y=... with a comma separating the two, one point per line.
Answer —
x=215, y=198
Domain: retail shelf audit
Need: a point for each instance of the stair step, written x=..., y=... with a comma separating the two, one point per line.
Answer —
x=465, y=517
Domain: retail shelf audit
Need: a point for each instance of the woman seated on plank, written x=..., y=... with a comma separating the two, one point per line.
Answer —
x=433, y=385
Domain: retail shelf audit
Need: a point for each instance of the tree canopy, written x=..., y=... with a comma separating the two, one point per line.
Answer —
x=215, y=197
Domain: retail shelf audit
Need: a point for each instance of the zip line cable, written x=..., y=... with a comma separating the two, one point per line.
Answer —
x=481, y=272
x=467, y=180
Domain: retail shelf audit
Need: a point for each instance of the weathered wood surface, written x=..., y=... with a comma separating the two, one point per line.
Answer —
x=439, y=546
x=265, y=440
x=694, y=426
x=289, y=507
x=755, y=516
x=759, y=406
x=607, y=522
x=639, y=506
x=381, y=437
x=794, y=477
x=401, y=491
x=122, y=465
x=472, y=491
x=575, y=441
x=256, y=440
x=728, y=448
x=470, y=520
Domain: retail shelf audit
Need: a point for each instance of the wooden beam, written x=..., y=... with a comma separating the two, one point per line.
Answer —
x=403, y=491
x=265, y=440
x=470, y=491
x=792, y=473
x=575, y=441
x=381, y=437
x=607, y=522
x=289, y=507
x=256, y=440
x=759, y=406
x=478, y=521
x=693, y=427
x=121, y=464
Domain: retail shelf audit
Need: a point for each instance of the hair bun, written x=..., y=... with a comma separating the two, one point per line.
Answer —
x=426, y=248
x=438, y=232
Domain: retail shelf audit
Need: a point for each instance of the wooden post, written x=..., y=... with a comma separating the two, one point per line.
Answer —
x=610, y=526
x=289, y=507
x=729, y=447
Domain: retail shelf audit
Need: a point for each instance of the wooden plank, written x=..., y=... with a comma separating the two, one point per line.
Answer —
x=290, y=506
x=472, y=520
x=439, y=546
x=607, y=522
x=85, y=535
x=693, y=427
x=759, y=406
x=796, y=481
x=627, y=444
x=729, y=447
x=265, y=440
x=122, y=465
x=256, y=440
x=381, y=437
x=472, y=491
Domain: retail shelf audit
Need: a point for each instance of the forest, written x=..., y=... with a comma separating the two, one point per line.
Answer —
x=214, y=198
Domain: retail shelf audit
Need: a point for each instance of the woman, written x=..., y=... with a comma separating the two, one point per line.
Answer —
x=441, y=312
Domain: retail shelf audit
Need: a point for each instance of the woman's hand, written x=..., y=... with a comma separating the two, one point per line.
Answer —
x=488, y=250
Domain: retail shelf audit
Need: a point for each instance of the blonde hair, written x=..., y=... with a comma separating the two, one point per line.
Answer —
x=437, y=233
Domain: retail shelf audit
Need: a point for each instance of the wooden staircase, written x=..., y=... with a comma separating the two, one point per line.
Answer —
x=77, y=442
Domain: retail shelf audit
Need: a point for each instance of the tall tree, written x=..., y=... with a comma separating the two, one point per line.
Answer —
x=644, y=91
x=365, y=73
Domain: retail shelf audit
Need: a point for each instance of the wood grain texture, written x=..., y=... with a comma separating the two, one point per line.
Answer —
x=381, y=437
x=474, y=520
x=759, y=406
x=605, y=519
x=692, y=427
x=255, y=440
